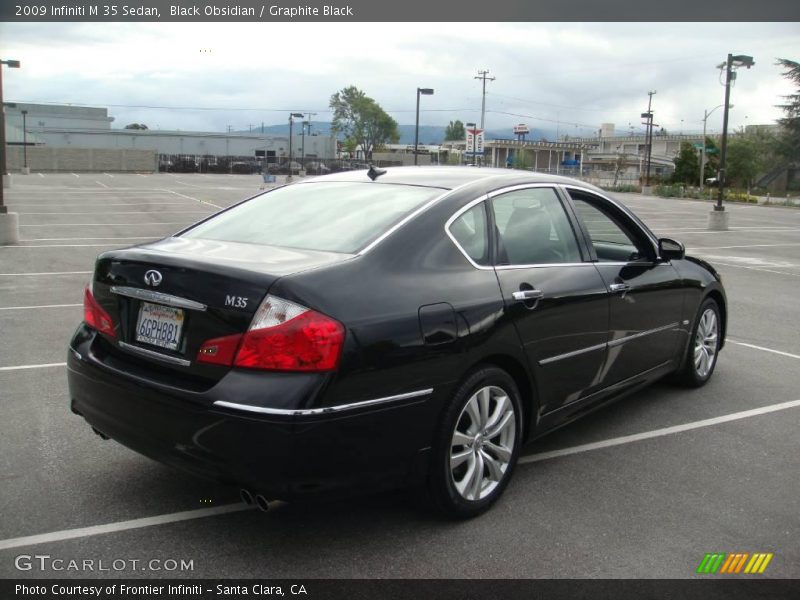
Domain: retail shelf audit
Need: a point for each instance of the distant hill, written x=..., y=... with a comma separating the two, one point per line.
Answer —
x=428, y=134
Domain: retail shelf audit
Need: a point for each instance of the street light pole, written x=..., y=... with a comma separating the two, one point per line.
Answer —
x=24, y=142
x=718, y=219
x=291, y=122
x=11, y=64
x=303, y=151
x=706, y=114
x=424, y=92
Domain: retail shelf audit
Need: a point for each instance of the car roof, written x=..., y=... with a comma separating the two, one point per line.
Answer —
x=450, y=177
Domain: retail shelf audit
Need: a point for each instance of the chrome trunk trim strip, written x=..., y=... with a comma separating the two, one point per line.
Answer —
x=320, y=411
x=158, y=297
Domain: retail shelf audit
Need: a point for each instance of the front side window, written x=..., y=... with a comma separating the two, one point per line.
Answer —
x=533, y=228
x=612, y=241
x=331, y=216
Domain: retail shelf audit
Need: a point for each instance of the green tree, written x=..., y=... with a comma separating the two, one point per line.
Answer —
x=749, y=155
x=362, y=120
x=712, y=159
x=521, y=160
x=789, y=138
x=455, y=131
x=687, y=165
x=136, y=126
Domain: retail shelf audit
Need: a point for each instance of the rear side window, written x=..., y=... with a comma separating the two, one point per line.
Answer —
x=330, y=216
x=533, y=228
x=472, y=235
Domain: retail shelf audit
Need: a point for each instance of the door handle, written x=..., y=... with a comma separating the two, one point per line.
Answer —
x=619, y=287
x=527, y=295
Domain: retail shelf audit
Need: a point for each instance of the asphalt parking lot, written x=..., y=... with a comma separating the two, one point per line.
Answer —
x=641, y=489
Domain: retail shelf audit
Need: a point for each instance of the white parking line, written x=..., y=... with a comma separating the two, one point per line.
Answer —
x=101, y=183
x=193, y=198
x=716, y=262
x=646, y=435
x=23, y=246
x=102, y=224
x=42, y=366
x=74, y=174
x=41, y=175
x=115, y=212
x=39, y=306
x=69, y=534
x=48, y=273
x=108, y=175
x=781, y=352
x=701, y=248
x=67, y=239
x=82, y=532
x=733, y=230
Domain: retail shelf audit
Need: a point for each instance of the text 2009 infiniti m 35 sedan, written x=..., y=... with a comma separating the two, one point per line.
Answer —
x=381, y=329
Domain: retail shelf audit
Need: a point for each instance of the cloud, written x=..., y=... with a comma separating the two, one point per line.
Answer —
x=577, y=74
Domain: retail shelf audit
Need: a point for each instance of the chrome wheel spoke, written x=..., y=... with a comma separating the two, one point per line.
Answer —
x=484, y=399
x=492, y=466
x=501, y=405
x=501, y=452
x=473, y=411
x=461, y=439
x=458, y=458
x=477, y=478
x=498, y=429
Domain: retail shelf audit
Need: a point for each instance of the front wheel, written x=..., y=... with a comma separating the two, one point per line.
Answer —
x=477, y=444
x=703, y=346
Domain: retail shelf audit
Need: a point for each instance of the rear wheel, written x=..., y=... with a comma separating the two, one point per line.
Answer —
x=703, y=346
x=477, y=444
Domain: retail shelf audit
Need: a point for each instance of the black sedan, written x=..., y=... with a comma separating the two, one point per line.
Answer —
x=383, y=329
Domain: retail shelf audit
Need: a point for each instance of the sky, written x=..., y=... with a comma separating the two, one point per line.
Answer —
x=556, y=77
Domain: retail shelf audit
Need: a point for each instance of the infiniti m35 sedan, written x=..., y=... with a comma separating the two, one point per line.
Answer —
x=408, y=327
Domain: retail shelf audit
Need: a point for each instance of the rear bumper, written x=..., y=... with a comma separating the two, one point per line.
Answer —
x=283, y=455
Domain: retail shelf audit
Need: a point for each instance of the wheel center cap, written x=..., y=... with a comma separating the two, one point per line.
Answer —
x=477, y=443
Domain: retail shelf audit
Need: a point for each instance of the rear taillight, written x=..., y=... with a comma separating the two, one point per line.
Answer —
x=95, y=315
x=283, y=336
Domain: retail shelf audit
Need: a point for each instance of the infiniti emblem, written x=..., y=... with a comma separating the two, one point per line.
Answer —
x=153, y=278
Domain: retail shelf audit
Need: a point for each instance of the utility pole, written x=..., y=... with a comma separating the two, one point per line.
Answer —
x=649, y=138
x=482, y=75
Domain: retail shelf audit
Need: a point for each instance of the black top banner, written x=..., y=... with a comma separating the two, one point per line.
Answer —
x=399, y=10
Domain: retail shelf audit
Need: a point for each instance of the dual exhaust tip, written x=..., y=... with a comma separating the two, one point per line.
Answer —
x=258, y=499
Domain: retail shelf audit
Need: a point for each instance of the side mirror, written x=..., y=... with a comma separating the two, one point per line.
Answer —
x=669, y=249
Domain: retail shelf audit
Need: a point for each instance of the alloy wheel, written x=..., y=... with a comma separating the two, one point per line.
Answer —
x=482, y=444
x=705, y=342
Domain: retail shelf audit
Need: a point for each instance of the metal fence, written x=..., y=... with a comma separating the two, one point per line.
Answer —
x=247, y=165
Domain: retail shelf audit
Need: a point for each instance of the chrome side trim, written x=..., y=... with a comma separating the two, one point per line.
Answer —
x=159, y=297
x=173, y=360
x=634, y=336
x=320, y=411
x=540, y=265
x=552, y=359
x=611, y=344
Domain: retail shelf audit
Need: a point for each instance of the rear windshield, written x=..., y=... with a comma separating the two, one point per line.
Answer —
x=330, y=216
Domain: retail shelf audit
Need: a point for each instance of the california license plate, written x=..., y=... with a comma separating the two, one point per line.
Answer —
x=159, y=325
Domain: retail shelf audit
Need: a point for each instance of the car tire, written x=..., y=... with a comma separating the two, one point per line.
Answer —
x=702, y=350
x=485, y=416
